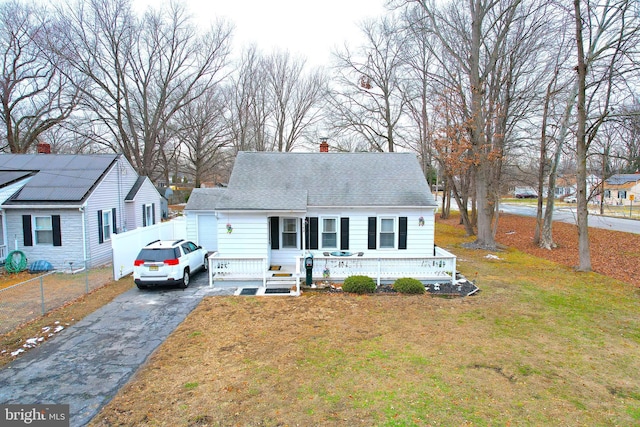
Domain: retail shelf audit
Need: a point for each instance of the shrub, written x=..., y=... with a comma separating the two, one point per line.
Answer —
x=407, y=285
x=359, y=285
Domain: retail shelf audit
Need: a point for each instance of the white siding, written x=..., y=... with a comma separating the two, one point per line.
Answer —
x=192, y=225
x=249, y=238
x=58, y=256
x=420, y=239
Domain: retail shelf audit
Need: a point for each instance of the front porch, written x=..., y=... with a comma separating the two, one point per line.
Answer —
x=257, y=274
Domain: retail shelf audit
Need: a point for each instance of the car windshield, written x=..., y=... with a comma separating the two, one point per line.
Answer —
x=157, y=255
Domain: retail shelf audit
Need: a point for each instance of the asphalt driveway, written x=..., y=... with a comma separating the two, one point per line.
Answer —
x=86, y=364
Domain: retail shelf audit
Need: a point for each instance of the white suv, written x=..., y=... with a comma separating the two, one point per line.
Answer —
x=168, y=262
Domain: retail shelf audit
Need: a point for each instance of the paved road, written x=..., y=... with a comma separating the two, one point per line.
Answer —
x=568, y=214
x=85, y=365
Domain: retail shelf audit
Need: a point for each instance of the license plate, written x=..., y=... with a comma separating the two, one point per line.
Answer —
x=153, y=268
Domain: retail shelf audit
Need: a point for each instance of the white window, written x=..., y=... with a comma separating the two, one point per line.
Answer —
x=290, y=233
x=106, y=225
x=148, y=213
x=387, y=233
x=622, y=194
x=330, y=233
x=44, y=230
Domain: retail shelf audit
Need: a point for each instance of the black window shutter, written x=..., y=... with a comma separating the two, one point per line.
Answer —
x=371, y=234
x=100, y=235
x=57, y=234
x=275, y=232
x=144, y=216
x=113, y=221
x=26, y=230
x=153, y=213
x=301, y=242
x=402, y=234
x=344, y=234
x=313, y=232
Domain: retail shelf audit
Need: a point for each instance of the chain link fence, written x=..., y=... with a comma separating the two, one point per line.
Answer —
x=37, y=296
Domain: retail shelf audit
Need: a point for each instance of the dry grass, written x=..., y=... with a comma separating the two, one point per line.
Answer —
x=66, y=315
x=540, y=345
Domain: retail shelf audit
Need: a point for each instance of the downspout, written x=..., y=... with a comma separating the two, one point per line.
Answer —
x=84, y=233
x=5, y=242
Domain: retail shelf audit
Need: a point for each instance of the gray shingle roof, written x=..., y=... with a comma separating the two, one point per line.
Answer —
x=204, y=198
x=58, y=178
x=623, y=178
x=136, y=187
x=294, y=181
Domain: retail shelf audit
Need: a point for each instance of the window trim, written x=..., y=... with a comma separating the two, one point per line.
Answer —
x=283, y=231
x=148, y=219
x=394, y=233
x=36, y=230
x=336, y=232
x=106, y=225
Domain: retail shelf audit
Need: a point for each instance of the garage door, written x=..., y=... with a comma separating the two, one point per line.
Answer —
x=207, y=232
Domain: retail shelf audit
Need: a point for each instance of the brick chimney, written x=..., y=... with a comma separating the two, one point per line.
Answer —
x=324, y=145
x=44, y=148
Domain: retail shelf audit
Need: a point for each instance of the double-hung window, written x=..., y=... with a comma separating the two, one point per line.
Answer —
x=387, y=233
x=106, y=225
x=43, y=230
x=622, y=194
x=148, y=215
x=330, y=233
x=290, y=233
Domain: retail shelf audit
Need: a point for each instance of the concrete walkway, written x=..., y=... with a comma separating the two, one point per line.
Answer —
x=85, y=365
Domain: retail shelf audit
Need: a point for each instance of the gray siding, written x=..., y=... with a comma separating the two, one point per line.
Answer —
x=108, y=194
x=58, y=256
x=148, y=194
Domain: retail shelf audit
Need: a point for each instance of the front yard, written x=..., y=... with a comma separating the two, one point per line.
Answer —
x=539, y=345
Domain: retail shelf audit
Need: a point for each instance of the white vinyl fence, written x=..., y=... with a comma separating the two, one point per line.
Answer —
x=125, y=246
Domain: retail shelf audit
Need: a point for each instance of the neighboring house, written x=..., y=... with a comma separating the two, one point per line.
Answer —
x=622, y=189
x=166, y=193
x=279, y=207
x=64, y=208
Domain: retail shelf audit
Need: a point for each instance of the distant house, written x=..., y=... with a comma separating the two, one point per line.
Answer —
x=166, y=193
x=351, y=211
x=65, y=208
x=622, y=189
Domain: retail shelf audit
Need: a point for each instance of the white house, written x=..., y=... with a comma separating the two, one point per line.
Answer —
x=64, y=208
x=356, y=213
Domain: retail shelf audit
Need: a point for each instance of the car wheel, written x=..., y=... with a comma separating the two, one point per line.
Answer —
x=205, y=265
x=141, y=286
x=185, y=279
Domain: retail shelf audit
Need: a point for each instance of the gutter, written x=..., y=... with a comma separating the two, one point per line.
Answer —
x=41, y=206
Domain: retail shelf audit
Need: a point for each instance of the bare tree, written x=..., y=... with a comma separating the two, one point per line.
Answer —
x=606, y=55
x=35, y=95
x=295, y=96
x=491, y=44
x=138, y=73
x=368, y=97
x=204, y=136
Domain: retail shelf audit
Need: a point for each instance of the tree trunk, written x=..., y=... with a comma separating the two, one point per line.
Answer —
x=584, y=252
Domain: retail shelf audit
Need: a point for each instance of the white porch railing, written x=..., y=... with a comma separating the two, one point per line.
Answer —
x=226, y=268
x=441, y=267
x=3, y=252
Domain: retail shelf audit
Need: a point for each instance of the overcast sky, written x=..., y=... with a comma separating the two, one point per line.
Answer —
x=306, y=28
